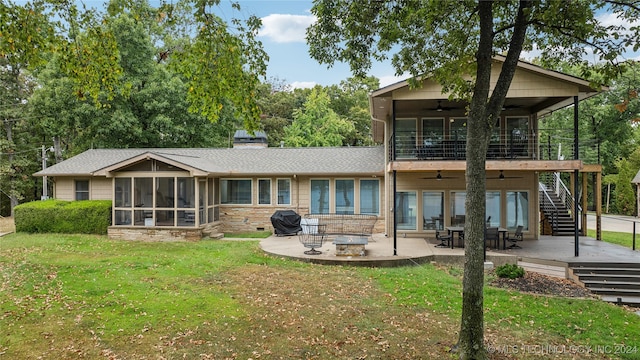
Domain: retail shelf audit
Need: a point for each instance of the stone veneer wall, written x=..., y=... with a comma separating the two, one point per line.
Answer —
x=154, y=233
x=138, y=233
x=243, y=219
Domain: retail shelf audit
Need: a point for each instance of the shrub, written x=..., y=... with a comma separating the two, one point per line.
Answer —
x=68, y=217
x=510, y=271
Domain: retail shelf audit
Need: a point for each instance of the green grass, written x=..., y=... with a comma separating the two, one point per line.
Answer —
x=619, y=238
x=249, y=235
x=74, y=296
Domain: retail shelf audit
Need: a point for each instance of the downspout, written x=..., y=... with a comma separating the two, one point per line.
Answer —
x=386, y=152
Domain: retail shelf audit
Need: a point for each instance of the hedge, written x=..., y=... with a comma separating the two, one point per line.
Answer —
x=68, y=217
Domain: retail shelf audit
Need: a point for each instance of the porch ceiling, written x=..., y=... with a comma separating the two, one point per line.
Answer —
x=495, y=165
x=382, y=107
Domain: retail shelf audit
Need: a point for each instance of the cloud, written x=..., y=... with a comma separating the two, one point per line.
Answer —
x=285, y=28
x=303, y=84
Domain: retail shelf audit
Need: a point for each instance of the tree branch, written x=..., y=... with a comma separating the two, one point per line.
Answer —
x=625, y=4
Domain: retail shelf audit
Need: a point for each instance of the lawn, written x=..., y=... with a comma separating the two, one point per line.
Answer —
x=620, y=238
x=72, y=296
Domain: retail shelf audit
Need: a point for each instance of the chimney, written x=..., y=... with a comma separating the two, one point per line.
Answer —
x=245, y=140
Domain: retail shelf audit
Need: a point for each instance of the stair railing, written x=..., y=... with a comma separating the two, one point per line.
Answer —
x=565, y=195
x=548, y=207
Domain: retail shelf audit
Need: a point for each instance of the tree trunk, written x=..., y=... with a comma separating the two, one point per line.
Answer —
x=482, y=117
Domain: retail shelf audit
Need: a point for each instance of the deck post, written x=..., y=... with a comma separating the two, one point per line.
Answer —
x=585, y=180
x=598, y=199
x=576, y=155
x=395, y=215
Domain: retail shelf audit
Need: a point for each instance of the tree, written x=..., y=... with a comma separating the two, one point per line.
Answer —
x=24, y=36
x=316, y=124
x=449, y=40
x=350, y=99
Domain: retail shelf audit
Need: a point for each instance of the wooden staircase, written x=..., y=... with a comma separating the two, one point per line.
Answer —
x=614, y=282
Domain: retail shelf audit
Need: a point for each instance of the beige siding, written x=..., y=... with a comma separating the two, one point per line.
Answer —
x=100, y=189
x=528, y=84
x=64, y=188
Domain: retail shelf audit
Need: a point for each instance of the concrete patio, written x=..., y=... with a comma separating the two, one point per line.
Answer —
x=549, y=252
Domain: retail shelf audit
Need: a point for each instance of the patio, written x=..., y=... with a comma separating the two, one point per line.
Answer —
x=548, y=252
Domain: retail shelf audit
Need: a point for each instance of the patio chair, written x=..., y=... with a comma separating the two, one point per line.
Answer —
x=492, y=234
x=516, y=237
x=445, y=240
x=313, y=238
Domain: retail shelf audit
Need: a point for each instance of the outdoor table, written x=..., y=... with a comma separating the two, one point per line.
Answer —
x=453, y=230
x=460, y=230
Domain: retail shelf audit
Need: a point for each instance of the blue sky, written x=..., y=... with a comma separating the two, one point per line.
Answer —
x=284, y=23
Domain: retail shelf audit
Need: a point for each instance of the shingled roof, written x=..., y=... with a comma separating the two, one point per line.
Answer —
x=232, y=162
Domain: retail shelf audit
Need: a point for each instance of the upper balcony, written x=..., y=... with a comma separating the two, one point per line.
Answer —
x=518, y=145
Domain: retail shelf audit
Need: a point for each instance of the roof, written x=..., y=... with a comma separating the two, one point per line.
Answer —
x=636, y=179
x=246, y=135
x=582, y=84
x=524, y=93
x=231, y=162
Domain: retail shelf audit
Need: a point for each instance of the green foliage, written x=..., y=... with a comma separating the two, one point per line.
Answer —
x=68, y=217
x=316, y=124
x=625, y=196
x=511, y=271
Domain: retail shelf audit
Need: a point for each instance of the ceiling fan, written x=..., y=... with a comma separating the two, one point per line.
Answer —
x=440, y=108
x=438, y=177
x=502, y=176
x=510, y=107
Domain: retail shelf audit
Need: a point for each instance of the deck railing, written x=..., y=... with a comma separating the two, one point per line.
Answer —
x=548, y=207
x=408, y=145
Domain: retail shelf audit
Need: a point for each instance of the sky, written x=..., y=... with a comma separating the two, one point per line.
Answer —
x=284, y=24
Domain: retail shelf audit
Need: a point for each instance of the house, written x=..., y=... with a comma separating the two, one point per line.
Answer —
x=424, y=133
x=188, y=193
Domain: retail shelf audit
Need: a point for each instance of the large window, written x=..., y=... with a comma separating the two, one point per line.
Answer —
x=493, y=208
x=432, y=131
x=405, y=137
x=432, y=210
x=370, y=197
x=187, y=193
x=82, y=189
x=235, y=191
x=517, y=136
x=345, y=197
x=319, y=197
x=284, y=191
x=458, y=129
x=122, y=199
x=406, y=213
x=164, y=201
x=458, y=213
x=264, y=191
x=517, y=209
x=165, y=192
x=122, y=192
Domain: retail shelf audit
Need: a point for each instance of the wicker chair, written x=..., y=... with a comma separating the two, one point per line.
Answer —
x=312, y=237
